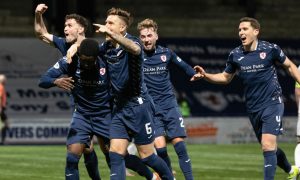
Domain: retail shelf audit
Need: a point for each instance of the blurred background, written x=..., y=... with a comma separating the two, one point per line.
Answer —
x=199, y=31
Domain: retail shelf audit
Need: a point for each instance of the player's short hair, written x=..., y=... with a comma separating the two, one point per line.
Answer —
x=89, y=47
x=123, y=14
x=147, y=23
x=82, y=21
x=253, y=22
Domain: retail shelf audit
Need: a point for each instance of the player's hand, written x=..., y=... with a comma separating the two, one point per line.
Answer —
x=65, y=83
x=199, y=70
x=71, y=52
x=200, y=73
x=41, y=8
x=101, y=28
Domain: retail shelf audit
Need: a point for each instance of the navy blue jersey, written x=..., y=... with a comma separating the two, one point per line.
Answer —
x=125, y=71
x=257, y=71
x=61, y=44
x=157, y=75
x=90, y=93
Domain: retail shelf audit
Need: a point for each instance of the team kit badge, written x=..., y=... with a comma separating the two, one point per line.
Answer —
x=163, y=58
x=102, y=71
x=262, y=55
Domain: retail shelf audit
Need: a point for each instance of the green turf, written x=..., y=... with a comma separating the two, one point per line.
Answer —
x=210, y=162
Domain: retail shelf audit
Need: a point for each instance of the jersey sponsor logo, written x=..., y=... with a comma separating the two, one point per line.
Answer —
x=102, y=71
x=56, y=65
x=163, y=58
x=262, y=55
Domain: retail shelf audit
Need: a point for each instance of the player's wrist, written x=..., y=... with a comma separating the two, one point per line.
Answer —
x=38, y=12
x=55, y=82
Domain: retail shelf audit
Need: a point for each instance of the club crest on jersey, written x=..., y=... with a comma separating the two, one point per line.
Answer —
x=102, y=71
x=163, y=58
x=262, y=55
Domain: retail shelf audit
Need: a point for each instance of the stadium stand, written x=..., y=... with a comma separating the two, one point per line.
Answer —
x=189, y=18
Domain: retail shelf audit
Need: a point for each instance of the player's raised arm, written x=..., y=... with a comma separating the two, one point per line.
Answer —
x=39, y=25
x=126, y=43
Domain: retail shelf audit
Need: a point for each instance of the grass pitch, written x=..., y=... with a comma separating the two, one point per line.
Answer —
x=209, y=162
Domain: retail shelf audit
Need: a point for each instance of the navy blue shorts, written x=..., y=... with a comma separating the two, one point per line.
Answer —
x=133, y=122
x=268, y=120
x=83, y=127
x=169, y=122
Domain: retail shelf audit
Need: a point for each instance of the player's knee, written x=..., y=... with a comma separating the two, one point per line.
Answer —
x=177, y=140
x=118, y=150
x=77, y=149
x=160, y=142
x=267, y=146
x=145, y=150
x=118, y=146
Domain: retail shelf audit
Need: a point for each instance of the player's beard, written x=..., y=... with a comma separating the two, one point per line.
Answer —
x=71, y=39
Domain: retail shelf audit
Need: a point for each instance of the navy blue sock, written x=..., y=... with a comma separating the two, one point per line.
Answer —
x=282, y=161
x=136, y=164
x=162, y=153
x=159, y=166
x=184, y=160
x=106, y=154
x=270, y=163
x=91, y=164
x=117, y=169
x=71, y=170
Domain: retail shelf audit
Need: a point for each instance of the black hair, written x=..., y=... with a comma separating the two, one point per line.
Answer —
x=89, y=47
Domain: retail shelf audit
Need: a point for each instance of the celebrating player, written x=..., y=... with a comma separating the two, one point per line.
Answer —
x=254, y=62
x=133, y=110
x=169, y=121
x=92, y=113
x=75, y=28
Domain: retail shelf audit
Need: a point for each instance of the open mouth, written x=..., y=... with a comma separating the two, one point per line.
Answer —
x=243, y=38
x=148, y=45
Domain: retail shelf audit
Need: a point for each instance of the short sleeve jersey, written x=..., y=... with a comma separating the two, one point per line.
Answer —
x=125, y=71
x=157, y=76
x=90, y=93
x=258, y=73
